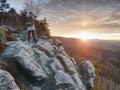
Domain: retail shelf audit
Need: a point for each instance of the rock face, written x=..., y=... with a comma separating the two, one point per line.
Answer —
x=46, y=66
x=87, y=71
x=7, y=81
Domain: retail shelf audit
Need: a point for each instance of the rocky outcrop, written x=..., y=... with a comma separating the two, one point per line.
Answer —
x=29, y=65
x=87, y=72
x=7, y=81
x=46, y=66
x=64, y=81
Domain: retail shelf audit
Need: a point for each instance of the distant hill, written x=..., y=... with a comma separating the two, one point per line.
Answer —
x=105, y=55
x=91, y=49
x=112, y=45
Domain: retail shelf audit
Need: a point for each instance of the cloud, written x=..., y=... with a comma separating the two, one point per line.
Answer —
x=68, y=14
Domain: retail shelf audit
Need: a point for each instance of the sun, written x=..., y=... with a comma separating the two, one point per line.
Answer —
x=86, y=35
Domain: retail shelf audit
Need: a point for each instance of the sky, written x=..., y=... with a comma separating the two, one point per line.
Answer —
x=94, y=19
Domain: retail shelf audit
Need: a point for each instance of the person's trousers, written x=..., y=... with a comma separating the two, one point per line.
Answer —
x=31, y=32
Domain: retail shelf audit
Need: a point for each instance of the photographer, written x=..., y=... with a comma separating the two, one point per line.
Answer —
x=30, y=26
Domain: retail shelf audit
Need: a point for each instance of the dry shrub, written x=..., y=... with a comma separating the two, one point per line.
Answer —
x=10, y=38
x=3, y=64
x=42, y=28
x=2, y=47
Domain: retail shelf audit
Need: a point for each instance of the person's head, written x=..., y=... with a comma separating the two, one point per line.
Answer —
x=24, y=12
x=30, y=13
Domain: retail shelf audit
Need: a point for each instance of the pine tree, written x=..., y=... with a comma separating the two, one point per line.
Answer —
x=3, y=6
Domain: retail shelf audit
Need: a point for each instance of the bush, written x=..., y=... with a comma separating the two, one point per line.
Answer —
x=2, y=47
x=10, y=38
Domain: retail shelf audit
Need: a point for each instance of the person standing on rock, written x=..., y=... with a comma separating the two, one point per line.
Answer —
x=30, y=26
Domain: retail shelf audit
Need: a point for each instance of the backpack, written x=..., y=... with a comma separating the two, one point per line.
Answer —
x=29, y=21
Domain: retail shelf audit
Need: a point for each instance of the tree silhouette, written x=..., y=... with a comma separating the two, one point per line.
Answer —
x=31, y=6
x=3, y=6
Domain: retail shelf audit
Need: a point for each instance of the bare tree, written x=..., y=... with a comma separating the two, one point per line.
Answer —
x=33, y=6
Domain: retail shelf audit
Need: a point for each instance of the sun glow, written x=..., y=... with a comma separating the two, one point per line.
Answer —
x=83, y=35
x=90, y=35
x=86, y=35
x=84, y=23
